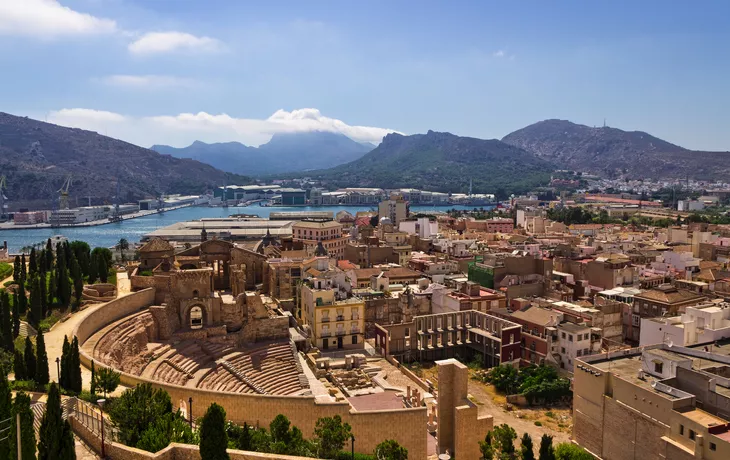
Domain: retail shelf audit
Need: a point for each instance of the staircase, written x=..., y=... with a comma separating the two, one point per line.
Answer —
x=26, y=330
x=177, y=367
x=241, y=376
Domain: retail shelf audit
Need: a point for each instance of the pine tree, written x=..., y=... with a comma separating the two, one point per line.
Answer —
x=16, y=316
x=51, y=430
x=93, y=269
x=29, y=357
x=41, y=370
x=6, y=324
x=75, y=370
x=63, y=379
x=23, y=268
x=33, y=265
x=19, y=366
x=213, y=436
x=21, y=406
x=78, y=292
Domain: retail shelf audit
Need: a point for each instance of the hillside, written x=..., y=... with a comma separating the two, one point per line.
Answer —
x=36, y=157
x=285, y=152
x=609, y=151
x=441, y=162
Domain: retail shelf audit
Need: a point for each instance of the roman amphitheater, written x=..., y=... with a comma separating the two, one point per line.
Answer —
x=191, y=327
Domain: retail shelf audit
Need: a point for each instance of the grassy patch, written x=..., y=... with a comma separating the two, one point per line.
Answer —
x=6, y=270
x=52, y=319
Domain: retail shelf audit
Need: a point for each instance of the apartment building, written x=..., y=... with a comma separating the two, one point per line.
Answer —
x=702, y=323
x=335, y=320
x=657, y=402
x=394, y=209
x=327, y=232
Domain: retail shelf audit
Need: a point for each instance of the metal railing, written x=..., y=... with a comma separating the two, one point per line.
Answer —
x=325, y=334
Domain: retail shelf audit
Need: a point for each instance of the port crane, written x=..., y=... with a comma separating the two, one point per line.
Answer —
x=63, y=197
x=3, y=187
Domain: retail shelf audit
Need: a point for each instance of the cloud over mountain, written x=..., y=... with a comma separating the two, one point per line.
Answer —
x=184, y=128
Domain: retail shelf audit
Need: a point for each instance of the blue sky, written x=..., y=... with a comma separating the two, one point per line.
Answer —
x=172, y=71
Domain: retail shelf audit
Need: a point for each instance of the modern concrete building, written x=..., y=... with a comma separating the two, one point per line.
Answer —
x=703, y=323
x=394, y=209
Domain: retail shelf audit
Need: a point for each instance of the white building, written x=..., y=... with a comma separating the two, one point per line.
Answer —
x=681, y=262
x=423, y=227
x=704, y=323
x=690, y=205
x=574, y=340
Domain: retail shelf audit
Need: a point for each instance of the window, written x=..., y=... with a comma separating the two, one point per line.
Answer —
x=196, y=317
x=563, y=335
x=580, y=352
x=659, y=368
x=354, y=340
x=692, y=435
x=570, y=338
x=713, y=446
x=681, y=430
x=562, y=350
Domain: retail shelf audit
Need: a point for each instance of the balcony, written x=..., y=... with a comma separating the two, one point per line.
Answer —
x=325, y=319
x=340, y=317
x=355, y=330
x=341, y=332
x=325, y=334
x=355, y=318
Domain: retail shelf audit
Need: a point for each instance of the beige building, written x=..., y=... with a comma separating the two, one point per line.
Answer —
x=312, y=232
x=334, y=324
x=654, y=403
x=394, y=209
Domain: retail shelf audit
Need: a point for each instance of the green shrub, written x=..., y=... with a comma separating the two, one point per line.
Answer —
x=538, y=423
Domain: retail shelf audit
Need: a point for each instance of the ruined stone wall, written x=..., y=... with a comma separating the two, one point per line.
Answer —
x=255, y=329
x=255, y=266
x=184, y=284
x=113, y=311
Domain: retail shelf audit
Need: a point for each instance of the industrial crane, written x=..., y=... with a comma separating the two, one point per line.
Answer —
x=63, y=198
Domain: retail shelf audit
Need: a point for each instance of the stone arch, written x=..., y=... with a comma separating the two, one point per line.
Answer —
x=189, y=267
x=188, y=316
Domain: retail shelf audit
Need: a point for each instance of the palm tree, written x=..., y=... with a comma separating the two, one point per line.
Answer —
x=123, y=245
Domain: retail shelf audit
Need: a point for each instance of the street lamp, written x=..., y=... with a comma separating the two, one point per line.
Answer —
x=101, y=402
x=190, y=411
x=58, y=369
x=353, y=446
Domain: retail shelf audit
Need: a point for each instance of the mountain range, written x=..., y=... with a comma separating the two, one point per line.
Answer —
x=285, y=152
x=441, y=162
x=36, y=158
x=611, y=151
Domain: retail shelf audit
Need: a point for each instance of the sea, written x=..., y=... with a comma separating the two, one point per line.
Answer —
x=133, y=230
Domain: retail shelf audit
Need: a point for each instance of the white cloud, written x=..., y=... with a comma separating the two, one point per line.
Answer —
x=48, y=19
x=182, y=129
x=166, y=42
x=498, y=53
x=148, y=81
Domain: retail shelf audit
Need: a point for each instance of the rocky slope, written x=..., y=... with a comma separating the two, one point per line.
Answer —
x=36, y=157
x=610, y=151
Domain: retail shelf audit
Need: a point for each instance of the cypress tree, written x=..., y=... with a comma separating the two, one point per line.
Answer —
x=213, y=436
x=29, y=356
x=52, y=289
x=22, y=299
x=102, y=269
x=75, y=369
x=63, y=284
x=34, y=316
x=42, y=261
x=43, y=294
x=63, y=379
x=67, y=251
x=51, y=430
x=16, y=316
x=41, y=370
x=6, y=324
x=19, y=366
x=6, y=408
x=93, y=269
x=78, y=292
x=67, y=449
x=33, y=265
x=16, y=269
x=27, y=433
x=23, y=268
x=93, y=378
x=49, y=255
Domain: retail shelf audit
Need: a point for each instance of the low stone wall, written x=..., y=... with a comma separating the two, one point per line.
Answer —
x=174, y=451
x=370, y=428
x=407, y=372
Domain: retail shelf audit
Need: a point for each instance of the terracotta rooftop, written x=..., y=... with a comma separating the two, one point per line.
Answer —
x=156, y=245
x=668, y=296
x=535, y=315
